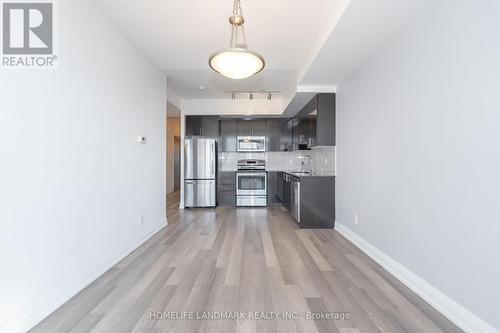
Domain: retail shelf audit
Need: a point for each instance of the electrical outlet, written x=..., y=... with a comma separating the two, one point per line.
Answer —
x=141, y=219
x=356, y=219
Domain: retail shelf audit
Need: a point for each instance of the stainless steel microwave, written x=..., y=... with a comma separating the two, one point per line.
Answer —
x=252, y=143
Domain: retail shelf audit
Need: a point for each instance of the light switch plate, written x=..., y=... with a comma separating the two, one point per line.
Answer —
x=142, y=139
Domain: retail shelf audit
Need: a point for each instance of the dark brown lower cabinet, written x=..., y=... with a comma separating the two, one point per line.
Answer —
x=281, y=186
x=317, y=199
x=287, y=192
x=226, y=188
x=317, y=202
x=226, y=198
x=284, y=189
x=273, y=188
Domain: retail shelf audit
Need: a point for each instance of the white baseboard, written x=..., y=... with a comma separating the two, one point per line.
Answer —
x=452, y=310
x=29, y=318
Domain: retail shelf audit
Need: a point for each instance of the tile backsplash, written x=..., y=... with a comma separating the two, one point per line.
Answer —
x=323, y=160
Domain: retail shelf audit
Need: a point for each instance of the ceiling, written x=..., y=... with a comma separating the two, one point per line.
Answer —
x=364, y=27
x=178, y=36
x=309, y=46
x=187, y=83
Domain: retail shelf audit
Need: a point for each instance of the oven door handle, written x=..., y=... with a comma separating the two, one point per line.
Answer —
x=251, y=174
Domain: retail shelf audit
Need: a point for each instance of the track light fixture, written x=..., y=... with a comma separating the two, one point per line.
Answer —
x=266, y=94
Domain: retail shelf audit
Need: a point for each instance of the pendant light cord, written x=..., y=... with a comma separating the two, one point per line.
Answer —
x=234, y=31
x=237, y=61
x=237, y=8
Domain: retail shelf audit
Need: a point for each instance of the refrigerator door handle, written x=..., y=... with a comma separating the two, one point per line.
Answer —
x=212, y=162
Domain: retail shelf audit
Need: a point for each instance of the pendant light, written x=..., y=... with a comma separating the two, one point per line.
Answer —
x=237, y=62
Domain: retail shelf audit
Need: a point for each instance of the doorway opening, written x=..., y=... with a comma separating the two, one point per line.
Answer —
x=177, y=163
x=174, y=148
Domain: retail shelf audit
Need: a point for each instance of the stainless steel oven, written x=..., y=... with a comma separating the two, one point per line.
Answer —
x=251, y=143
x=251, y=183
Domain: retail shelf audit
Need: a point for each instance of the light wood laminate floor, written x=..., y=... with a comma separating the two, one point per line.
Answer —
x=245, y=260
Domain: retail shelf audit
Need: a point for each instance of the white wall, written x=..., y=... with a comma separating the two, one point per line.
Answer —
x=419, y=151
x=74, y=181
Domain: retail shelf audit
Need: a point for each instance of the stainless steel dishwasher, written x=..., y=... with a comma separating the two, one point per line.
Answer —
x=295, y=198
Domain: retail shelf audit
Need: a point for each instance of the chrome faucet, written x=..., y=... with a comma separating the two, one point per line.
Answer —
x=306, y=163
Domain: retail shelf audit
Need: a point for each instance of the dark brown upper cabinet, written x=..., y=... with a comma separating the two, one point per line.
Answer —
x=193, y=125
x=273, y=134
x=259, y=127
x=244, y=127
x=253, y=127
x=304, y=132
x=276, y=138
x=228, y=135
x=206, y=126
x=317, y=120
x=285, y=139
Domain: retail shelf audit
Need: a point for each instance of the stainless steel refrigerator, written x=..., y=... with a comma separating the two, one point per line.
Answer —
x=199, y=172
